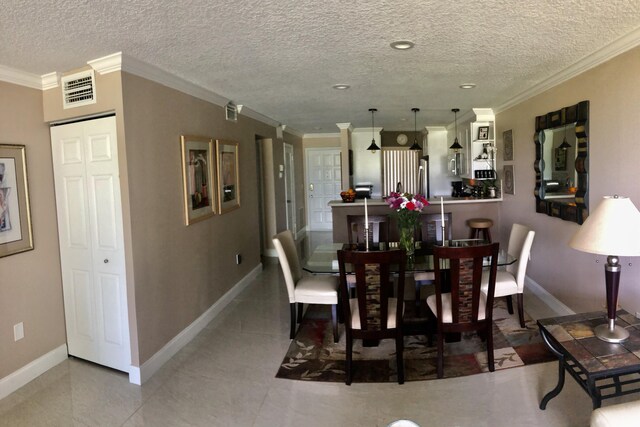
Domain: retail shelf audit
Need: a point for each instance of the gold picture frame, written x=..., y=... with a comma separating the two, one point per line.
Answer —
x=198, y=178
x=228, y=175
x=15, y=215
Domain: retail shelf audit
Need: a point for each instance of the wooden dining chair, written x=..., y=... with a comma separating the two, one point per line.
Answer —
x=466, y=307
x=319, y=289
x=373, y=314
x=430, y=233
x=378, y=228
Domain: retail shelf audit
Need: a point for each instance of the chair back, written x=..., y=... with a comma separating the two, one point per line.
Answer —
x=374, y=288
x=285, y=246
x=464, y=266
x=520, y=242
x=378, y=228
x=431, y=227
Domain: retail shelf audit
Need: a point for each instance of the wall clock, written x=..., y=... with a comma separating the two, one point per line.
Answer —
x=402, y=139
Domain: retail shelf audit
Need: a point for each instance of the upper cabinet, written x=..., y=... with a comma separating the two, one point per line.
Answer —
x=481, y=150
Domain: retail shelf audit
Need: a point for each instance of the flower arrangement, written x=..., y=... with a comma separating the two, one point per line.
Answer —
x=408, y=207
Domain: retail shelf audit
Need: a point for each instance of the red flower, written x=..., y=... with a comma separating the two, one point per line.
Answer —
x=411, y=206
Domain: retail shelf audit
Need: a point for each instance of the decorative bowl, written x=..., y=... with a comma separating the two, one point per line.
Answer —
x=348, y=198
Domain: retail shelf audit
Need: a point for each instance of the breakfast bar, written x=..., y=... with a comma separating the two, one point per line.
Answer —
x=462, y=209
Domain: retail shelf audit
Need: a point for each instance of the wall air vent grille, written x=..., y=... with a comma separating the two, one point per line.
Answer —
x=78, y=89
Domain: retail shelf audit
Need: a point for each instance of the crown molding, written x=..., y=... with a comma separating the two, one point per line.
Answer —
x=618, y=47
x=343, y=126
x=107, y=64
x=292, y=131
x=18, y=77
x=321, y=135
x=248, y=112
x=50, y=81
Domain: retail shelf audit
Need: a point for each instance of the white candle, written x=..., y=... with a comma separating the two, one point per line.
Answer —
x=442, y=211
x=366, y=215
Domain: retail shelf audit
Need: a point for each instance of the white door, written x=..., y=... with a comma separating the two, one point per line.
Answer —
x=289, y=188
x=324, y=179
x=87, y=185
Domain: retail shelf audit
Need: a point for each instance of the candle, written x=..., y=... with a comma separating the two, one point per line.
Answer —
x=366, y=215
x=442, y=211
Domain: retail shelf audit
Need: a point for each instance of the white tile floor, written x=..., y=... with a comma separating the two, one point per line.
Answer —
x=226, y=377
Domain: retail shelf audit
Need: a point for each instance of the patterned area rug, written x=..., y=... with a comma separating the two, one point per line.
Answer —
x=313, y=356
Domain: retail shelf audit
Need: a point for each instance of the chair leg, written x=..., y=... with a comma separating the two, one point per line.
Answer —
x=400, y=356
x=300, y=310
x=521, y=309
x=490, y=360
x=349, y=355
x=509, y=304
x=334, y=322
x=293, y=320
x=418, y=299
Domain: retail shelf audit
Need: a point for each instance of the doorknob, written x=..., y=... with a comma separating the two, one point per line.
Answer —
x=310, y=187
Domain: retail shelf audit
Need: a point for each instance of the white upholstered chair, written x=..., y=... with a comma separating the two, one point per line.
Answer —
x=304, y=289
x=511, y=281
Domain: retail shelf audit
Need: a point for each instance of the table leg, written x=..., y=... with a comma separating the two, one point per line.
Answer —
x=596, y=399
x=558, y=388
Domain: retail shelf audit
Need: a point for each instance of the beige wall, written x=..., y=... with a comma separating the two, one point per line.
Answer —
x=31, y=282
x=613, y=90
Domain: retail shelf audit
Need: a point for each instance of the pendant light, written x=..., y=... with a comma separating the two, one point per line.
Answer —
x=564, y=144
x=373, y=147
x=456, y=145
x=415, y=145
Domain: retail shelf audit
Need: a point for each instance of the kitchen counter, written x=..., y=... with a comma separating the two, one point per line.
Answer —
x=461, y=208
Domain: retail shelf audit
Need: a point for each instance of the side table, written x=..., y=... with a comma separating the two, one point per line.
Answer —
x=603, y=370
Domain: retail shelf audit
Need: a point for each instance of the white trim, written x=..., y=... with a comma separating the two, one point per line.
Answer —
x=322, y=135
x=301, y=233
x=292, y=131
x=107, y=64
x=139, y=375
x=623, y=44
x=271, y=253
x=19, y=77
x=554, y=304
x=345, y=126
x=50, y=81
x=32, y=370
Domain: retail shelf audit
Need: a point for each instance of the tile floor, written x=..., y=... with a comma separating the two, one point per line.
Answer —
x=226, y=377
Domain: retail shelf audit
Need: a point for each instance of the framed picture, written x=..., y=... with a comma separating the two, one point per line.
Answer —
x=15, y=216
x=507, y=139
x=560, y=163
x=228, y=175
x=509, y=179
x=197, y=178
x=483, y=132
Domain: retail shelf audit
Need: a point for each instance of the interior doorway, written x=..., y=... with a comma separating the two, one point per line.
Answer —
x=290, y=189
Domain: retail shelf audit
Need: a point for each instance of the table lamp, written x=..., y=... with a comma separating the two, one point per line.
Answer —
x=612, y=228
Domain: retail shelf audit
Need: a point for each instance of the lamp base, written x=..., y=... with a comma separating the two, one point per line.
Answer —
x=611, y=333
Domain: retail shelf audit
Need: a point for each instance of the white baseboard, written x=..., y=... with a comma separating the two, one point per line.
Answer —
x=555, y=304
x=270, y=253
x=29, y=372
x=138, y=375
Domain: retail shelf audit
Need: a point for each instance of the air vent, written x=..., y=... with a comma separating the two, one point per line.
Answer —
x=78, y=89
x=232, y=112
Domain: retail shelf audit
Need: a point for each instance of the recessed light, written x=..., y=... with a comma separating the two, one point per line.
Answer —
x=341, y=87
x=467, y=86
x=402, y=44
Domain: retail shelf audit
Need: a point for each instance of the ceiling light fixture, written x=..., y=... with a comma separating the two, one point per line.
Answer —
x=341, y=86
x=456, y=144
x=564, y=144
x=467, y=85
x=373, y=147
x=415, y=145
x=402, y=45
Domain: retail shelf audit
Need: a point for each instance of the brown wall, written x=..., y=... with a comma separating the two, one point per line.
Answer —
x=31, y=282
x=613, y=90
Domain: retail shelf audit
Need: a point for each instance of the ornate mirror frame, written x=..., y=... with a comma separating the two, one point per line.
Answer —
x=576, y=210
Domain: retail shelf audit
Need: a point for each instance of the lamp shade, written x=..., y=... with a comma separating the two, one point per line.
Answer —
x=613, y=228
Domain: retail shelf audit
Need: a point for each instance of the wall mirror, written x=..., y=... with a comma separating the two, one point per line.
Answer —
x=561, y=165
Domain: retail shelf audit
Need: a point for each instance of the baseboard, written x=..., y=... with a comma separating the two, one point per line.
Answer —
x=270, y=253
x=138, y=375
x=300, y=234
x=29, y=372
x=547, y=298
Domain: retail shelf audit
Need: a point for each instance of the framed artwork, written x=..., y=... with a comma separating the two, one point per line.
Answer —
x=507, y=139
x=197, y=178
x=560, y=163
x=228, y=175
x=509, y=179
x=15, y=216
x=483, y=133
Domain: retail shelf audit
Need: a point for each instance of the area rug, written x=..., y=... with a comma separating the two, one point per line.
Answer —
x=313, y=356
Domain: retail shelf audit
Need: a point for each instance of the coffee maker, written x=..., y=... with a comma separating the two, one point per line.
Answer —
x=456, y=188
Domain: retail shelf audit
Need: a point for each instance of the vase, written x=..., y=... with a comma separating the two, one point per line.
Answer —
x=407, y=241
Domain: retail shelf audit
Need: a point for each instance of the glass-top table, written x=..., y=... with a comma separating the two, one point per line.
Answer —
x=324, y=259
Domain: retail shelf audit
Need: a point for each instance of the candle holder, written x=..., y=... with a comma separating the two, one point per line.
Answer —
x=445, y=242
x=366, y=239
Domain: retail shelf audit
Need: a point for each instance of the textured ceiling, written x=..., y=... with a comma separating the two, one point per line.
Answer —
x=280, y=58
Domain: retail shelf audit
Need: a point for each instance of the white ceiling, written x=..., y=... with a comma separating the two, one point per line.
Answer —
x=280, y=58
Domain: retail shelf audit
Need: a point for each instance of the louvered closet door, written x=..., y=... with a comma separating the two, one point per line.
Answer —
x=400, y=166
x=87, y=185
